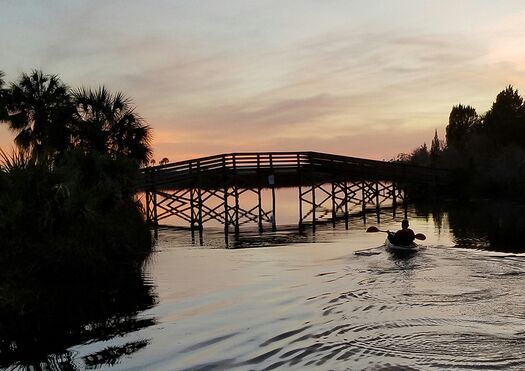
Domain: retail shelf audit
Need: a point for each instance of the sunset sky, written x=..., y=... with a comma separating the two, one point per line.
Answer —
x=360, y=78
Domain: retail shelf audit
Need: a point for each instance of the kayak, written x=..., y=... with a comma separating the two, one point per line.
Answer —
x=390, y=247
x=413, y=247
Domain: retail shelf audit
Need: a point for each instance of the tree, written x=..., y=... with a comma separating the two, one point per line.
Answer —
x=3, y=94
x=505, y=121
x=164, y=161
x=461, y=123
x=435, y=149
x=107, y=123
x=420, y=155
x=39, y=111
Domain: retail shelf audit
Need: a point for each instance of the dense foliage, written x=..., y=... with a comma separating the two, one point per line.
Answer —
x=49, y=119
x=72, y=236
x=486, y=151
x=67, y=207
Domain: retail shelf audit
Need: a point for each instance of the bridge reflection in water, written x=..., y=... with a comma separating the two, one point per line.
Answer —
x=209, y=189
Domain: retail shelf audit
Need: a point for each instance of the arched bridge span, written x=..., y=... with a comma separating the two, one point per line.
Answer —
x=209, y=188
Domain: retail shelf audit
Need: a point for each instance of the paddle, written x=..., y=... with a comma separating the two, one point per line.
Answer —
x=372, y=229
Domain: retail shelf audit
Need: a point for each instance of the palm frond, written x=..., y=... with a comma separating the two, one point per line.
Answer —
x=17, y=159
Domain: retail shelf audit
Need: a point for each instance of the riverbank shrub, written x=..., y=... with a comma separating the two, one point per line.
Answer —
x=74, y=221
x=73, y=242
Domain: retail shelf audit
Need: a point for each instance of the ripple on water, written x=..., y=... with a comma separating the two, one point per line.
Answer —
x=424, y=342
x=440, y=309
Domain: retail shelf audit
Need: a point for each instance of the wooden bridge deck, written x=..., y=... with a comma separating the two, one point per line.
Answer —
x=279, y=169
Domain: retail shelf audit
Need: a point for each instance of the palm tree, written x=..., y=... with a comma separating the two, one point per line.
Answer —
x=39, y=110
x=3, y=107
x=107, y=123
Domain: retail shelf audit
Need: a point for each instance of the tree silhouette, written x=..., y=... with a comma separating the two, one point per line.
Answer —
x=3, y=94
x=164, y=161
x=420, y=155
x=505, y=121
x=486, y=151
x=38, y=111
x=461, y=122
x=107, y=123
x=435, y=149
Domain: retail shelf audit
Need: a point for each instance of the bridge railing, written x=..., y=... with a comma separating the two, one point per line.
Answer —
x=225, y=165
x=375, y=169
x=222, y=164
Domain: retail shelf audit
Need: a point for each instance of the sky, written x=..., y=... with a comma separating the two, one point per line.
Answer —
x=360, y=78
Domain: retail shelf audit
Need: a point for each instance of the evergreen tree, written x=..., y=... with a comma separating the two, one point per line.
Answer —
x=435, y=149
x=504, y=123
x=461, y=123
x=420, y=156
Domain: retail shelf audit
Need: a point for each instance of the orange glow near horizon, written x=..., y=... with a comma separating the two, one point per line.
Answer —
x=366, y=81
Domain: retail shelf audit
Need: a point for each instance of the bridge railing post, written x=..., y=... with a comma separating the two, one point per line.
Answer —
x=363, y=196
x=346, y=204
x=155, y=215
x=259, y=197
x=394, y=198
x=236, y=190
x=192, y=200
x=300, y=191
x=225, y=196
x=314, y=207
x=334, y=211
x=274, y=223
x=199, y=195
x=377, y=195
x=148, y=212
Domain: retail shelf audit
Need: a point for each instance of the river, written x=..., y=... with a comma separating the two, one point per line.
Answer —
x=290, y=300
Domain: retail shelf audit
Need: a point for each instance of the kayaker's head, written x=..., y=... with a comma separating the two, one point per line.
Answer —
x=404, y=224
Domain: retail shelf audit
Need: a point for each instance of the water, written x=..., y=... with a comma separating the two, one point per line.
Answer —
x=294, y=301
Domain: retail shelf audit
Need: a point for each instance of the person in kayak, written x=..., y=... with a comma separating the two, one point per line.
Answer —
x=404, y=237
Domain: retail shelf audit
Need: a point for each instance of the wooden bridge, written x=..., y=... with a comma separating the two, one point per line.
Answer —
x=210, y=188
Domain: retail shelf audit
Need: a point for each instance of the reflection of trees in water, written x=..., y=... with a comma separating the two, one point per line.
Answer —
x=38, y=325
x=111, y=355
x=488, y=224
x=434, y=209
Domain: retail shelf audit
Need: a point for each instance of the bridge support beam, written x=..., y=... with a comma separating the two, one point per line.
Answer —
x=338, y=198
x=230, y=206
x=320, y=200
x=234, y=206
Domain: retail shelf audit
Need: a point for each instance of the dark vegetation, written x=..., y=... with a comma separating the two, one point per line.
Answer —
x=486, y=152
x=71, y=231
x=66, y=192
x=488, y=224
x=38, y=324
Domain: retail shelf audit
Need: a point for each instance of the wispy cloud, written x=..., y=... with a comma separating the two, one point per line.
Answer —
x=338, y=77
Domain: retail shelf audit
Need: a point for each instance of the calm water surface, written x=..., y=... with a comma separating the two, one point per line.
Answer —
x=296, y=301
x=289, y=300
